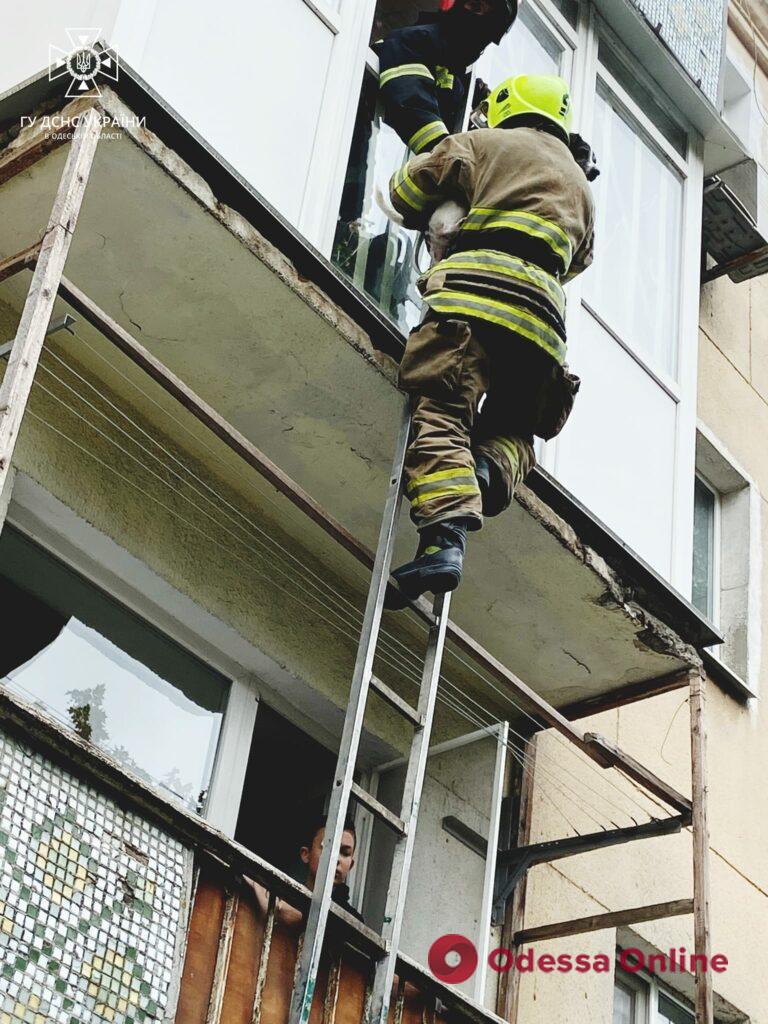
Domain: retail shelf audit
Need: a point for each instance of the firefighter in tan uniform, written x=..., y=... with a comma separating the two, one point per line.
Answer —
x=495, y=325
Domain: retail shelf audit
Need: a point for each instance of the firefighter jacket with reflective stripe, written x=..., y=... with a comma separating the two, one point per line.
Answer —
x=420, y=84
x=529, y=229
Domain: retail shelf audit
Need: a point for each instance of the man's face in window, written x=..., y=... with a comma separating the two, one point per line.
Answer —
x=346, y=859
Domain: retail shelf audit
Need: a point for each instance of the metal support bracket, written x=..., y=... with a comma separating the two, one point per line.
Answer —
x=514, y=863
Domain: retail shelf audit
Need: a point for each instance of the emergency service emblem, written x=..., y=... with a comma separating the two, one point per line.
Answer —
x=84, y=63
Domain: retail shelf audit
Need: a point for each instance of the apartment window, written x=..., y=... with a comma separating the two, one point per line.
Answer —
x=639, y=999
x=287, y=782
x=725, y=581
x=531, y=44
x=635, y=284
x=72, y=650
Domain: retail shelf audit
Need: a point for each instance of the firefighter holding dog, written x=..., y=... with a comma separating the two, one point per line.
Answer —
x=495, y=324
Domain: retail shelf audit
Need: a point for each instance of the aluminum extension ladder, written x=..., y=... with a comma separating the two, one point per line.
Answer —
x=344, y=786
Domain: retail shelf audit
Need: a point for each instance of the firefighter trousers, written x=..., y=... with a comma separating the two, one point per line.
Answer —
x=448, y=366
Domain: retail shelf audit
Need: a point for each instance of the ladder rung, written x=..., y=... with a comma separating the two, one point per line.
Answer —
x=397, y=702
x=378, y=809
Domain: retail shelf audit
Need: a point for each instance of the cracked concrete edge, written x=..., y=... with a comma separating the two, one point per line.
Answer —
x=196, y=186
x=651, y=632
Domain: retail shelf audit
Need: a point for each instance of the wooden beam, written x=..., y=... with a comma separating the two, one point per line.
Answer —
x=37, y=140
x=701, y=893
x=54, y=247
x=508, y=999
x=595, y=747
x=598, y=922
x=627, y=695
x=647, y=779
x=19, y=261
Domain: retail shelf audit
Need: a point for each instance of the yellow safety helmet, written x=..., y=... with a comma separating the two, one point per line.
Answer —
x=544, y=95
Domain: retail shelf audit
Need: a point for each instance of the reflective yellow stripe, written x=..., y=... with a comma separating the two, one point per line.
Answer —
x=509, y=449
x=504, y=314
x=445, y=492
x=441, y=474
x=444, y=78
x=479, y=219
x=409, y=191
x=403, y=71
x=509, y=266
x=427, y=134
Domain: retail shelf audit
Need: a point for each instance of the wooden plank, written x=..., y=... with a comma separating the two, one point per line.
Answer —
x=701, y=882
x=508, y=998
x=245, y=958
x=352, y=995
x=19, y=261
x=332, y=991
x=261, y=978
x=36, y=141
x=226, y=934
x=627, y=695
x=202, y=951
x=598, y=922
x=22, y=364
x=650, y=781
x=278, y=985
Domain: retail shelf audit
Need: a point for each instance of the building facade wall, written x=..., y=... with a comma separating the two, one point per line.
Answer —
x=733, y=410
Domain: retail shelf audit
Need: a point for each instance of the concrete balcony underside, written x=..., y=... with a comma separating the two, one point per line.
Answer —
x=268, y=344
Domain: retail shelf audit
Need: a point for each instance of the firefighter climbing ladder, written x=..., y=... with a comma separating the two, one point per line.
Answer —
x=344, y=786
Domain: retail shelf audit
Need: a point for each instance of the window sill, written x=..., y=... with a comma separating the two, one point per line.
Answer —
x=726, y=678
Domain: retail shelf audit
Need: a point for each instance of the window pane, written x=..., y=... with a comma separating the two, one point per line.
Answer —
x=375, y=253
x=527, y=49
x=634, y=284
x=671, y=1013
x=623, y=1005
x=703, y=549
x=106, y=673
x=622, y=71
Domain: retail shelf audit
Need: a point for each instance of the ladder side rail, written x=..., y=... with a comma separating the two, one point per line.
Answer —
x=309, y=960
x=412, y=790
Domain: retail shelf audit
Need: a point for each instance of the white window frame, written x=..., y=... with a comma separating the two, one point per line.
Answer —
x=327, y=13
x=499, y=731
x=682, y=389
x=648, y=988
x=721, y=473
x=553, y=22
x=98, y=560
x=669, y=382
x=716, y=553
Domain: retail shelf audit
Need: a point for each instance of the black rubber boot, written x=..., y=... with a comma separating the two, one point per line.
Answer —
x=438, y=563
x=493, y=489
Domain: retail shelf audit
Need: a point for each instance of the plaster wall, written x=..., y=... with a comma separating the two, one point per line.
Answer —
x=733, y=408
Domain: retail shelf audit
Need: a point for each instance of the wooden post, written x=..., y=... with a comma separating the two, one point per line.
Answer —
x=700, y=831
x=509, y=982
x=23, y=360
